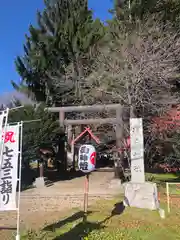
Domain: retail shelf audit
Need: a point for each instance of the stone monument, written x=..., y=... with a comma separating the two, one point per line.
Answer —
x=138, y=192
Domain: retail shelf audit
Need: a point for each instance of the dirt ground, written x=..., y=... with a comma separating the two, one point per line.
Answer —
x=40, y=207
x=47, y=205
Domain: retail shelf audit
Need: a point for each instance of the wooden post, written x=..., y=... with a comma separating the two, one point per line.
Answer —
x=167, y=194
x=82, y=129
x=86, y=193
x=73, y=153
x=61, y=119
x=89, y=138
x=63, y=150
x=41, y=170
x=119, y=138
x=69, y=133
x=38, y=169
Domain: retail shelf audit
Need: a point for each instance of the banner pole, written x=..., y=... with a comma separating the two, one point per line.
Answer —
x=5, y=127
x=19, y=182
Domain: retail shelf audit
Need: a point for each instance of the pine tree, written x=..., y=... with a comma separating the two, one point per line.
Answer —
x=39, y=128
x=56, y=51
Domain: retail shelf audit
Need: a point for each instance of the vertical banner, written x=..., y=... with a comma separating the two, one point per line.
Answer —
x=9, y=168
x=137, y=150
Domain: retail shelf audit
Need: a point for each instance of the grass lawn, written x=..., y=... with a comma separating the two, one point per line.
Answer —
x=163, y=177
x=161, y=180
x=107, y=222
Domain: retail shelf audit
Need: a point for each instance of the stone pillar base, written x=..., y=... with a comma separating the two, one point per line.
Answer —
x=141, y=195
x=39, y=182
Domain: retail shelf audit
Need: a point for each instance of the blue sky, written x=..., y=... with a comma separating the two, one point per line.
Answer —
x=15, y=18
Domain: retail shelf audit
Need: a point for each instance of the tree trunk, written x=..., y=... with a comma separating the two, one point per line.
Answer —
x=132, y=112
x=62, y=154
x=76, y=72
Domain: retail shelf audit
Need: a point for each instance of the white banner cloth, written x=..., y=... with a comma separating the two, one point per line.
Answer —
x=9, y=169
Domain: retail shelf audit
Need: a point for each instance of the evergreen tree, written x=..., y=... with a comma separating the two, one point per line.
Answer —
x=39, y=128
x=58, y=51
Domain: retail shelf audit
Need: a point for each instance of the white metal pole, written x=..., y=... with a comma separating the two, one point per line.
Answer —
x=19, y=182
x=2, y=139
x=4, y=129
x=167, y=194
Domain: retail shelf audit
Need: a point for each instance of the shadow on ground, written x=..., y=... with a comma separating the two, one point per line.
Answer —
x=55, y=176
x=83, y=228
x=70, y=219
x=7, y=228
x=29, y=176
x=118, y=209
x=80, y=231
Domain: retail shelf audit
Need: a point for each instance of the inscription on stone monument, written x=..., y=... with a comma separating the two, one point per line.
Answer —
x=137, y=150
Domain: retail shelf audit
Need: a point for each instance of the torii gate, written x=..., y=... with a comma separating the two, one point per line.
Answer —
x=95, y=108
